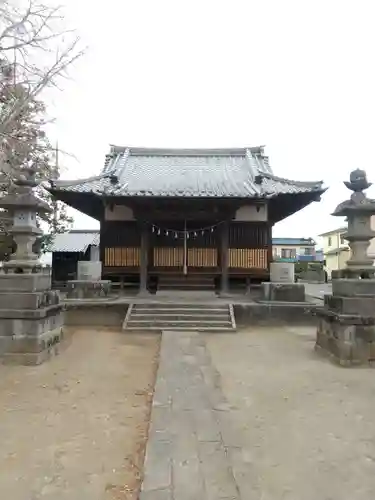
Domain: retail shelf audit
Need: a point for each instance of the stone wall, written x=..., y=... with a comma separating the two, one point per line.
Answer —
x=274, y=315
x=100, y=315
x=113, y=315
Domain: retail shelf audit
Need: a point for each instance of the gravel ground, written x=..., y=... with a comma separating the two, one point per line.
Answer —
x=307, y=425
x=75, y=427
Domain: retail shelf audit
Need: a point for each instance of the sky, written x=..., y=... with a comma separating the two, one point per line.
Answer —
x=293, y=75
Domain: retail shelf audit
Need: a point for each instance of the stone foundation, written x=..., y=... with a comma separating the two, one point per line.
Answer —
x=35, y=350
x=283, y=292
x=346, y=329
x=82, y=289
x=31, y=319
x=346, y=339
x=346, y=287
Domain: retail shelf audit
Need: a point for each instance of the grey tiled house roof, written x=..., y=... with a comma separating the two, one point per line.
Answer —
x=207, y=173
x=75, y=241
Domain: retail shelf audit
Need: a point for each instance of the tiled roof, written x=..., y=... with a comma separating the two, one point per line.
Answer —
x=293, y=241
x=341, y=229
x=75, y=241
x=238, y=173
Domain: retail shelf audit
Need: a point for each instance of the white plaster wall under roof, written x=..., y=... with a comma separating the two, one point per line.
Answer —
x=250, y=213
x=118, y=213
x=246, y=213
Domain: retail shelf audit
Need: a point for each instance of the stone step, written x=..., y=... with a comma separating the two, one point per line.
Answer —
x=195, y=321
x=184, y=309
x=186, y=319
x=208, y=329
x=177, y=317
x=190, y=310
x=189, y=307
x=173, y=316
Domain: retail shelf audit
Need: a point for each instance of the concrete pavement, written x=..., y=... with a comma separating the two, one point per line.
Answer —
x=191, y=439
x=258, y=415
x=307, y=426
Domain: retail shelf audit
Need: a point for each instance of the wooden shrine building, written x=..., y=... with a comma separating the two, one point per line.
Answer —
x=186, y=213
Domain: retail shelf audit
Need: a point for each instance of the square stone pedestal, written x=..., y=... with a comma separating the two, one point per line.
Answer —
x=87, y=289
x=31, y=319
x=283, y=292
x=346, y=329
x=350, y=287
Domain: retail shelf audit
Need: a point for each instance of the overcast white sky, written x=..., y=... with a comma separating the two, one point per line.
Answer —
x=294, y=75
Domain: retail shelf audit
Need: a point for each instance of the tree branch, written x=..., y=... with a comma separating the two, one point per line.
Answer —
x=28, y=39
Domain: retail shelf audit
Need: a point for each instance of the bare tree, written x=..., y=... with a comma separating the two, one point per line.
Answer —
x=35, y=52
x=35, y=49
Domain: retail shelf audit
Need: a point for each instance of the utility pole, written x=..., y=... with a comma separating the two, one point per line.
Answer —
x=185, y=249
x=54, y=202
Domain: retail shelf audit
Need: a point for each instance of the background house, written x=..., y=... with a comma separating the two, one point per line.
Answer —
x=336, y=249
x=294, y=250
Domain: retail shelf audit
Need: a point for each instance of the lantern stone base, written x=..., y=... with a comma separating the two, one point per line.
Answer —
x=31, y=322
x=346, y=330
x=85, y=289
x=283, y=292
x=346, y=287
x=10, y=283
x=30, y=350
x=346, y=343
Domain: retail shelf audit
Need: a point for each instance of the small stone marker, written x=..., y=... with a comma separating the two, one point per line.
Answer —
x=88, y=284
x=282, y=272
x=281, y=287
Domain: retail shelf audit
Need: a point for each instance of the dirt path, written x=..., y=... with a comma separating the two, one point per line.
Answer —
x=307, y=425
x=75, y=427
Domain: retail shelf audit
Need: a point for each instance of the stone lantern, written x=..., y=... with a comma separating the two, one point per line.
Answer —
x=24, y=206
x=31, y=315
x=358, y=210
x=346, y=328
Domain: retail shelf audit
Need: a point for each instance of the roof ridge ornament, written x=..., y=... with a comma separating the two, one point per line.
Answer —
x=113, y=178
x=121, y=165
x=253, y=169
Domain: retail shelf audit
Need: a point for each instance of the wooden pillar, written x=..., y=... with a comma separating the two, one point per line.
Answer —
x=143, y=275
x=224, y=260
x=270, y=249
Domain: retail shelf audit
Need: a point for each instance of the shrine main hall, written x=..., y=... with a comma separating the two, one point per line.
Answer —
x=203, y=216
